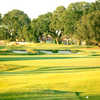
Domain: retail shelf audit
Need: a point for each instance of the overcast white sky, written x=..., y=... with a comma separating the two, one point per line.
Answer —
x=34, y=7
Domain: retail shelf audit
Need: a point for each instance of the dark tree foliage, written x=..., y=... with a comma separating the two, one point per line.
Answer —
x=15, y=21
x=88, y=28
x=57, y=24
x=40, y=26
x=72, y=14
x=79, y=21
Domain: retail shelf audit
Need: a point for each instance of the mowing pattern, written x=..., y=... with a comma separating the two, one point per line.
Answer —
x=50, y=77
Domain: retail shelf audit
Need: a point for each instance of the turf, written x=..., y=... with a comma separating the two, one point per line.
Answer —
x=50, y=77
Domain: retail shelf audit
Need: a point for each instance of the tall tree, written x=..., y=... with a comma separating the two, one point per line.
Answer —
x=15, y=20
x=57, y=25
x=35, y=31
x=40, y=26
x=2, y=29
x=95, y=6
x=72, y=14
x=88, y=28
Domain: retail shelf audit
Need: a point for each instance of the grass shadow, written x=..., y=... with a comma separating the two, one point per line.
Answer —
x=40, y=95
x=36, y=58
x=43, y=70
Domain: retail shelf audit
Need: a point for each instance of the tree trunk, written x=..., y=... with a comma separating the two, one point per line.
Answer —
x=80, y=42
x=57, y=42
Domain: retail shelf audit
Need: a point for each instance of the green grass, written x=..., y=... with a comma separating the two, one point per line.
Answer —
x=51, y=77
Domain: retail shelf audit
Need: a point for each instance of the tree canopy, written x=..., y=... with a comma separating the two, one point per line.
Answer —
x=79, y=21
x=15, y=22
x=88, y=27
x=40, y=26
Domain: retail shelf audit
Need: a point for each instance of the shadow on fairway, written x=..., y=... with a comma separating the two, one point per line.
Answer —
x=46, y=95
x=35, y=58
x=65, y=68
x=95, y=55
x=58, y=69
x=42, y=95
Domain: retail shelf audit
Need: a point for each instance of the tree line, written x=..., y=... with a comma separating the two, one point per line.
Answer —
x=80, y=21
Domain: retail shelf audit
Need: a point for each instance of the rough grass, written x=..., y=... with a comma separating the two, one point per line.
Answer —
x=51, y=77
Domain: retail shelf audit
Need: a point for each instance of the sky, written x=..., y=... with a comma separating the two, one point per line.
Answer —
x=34, y=8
